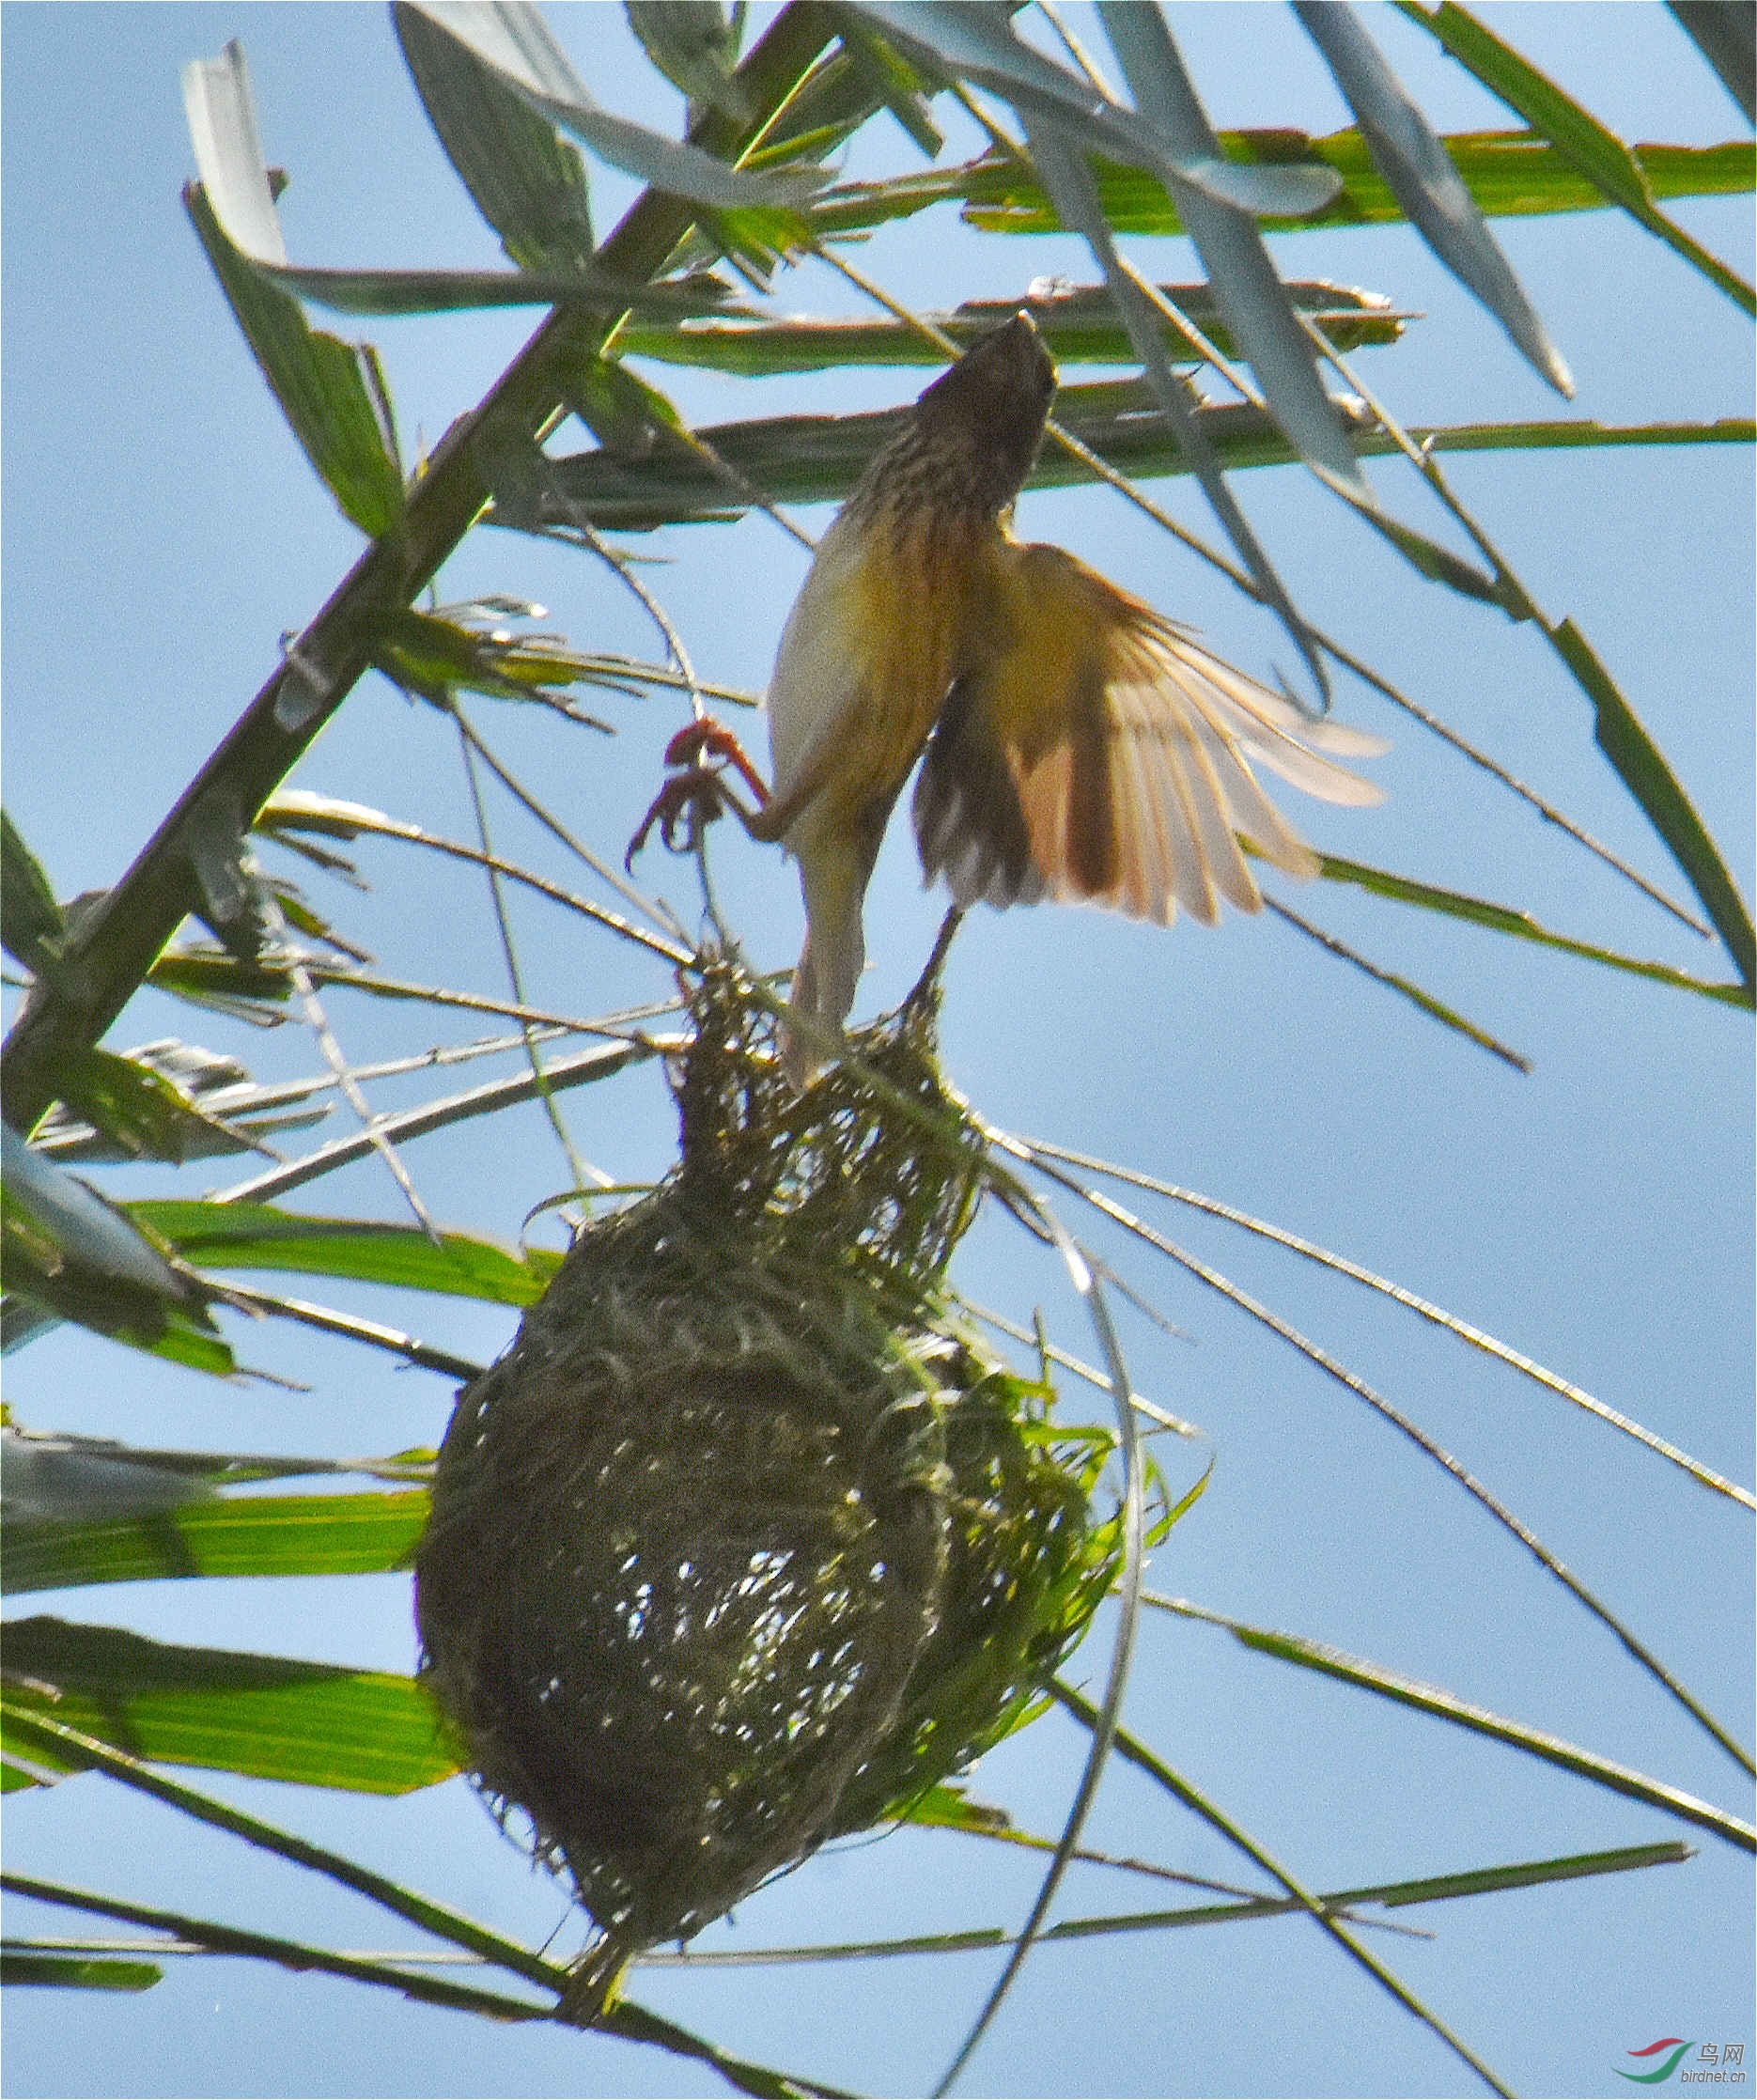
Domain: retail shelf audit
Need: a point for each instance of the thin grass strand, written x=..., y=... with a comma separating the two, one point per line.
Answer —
x=1475, y=1336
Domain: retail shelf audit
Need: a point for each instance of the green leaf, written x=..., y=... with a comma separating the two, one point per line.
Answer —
x=632, y=2022
x=1234, y=256
x=819, y=459
x=1548, y=436
x=426, y=654
x=1502, y=918
x=266, y=1716
x=209, y=977
x=1597, y=151
x=141, y=1110
x=32, y=920
x=1528, y=1873
x=830, y=104
x=77, y=1972
x=329, y=391
x=266, y=1535
x=1078, y=326
x=1430, y=190
x=619, y=406
x=1477, y=1881
x=257, y=1235
x=87, y=1480
x=978, y=43
x=514, y=40
x=1642, y=767
x=527, y=182
x=1430, y=1699
x=696, y=47
x=1727, y=38
x=1431, y=559
x=66, y=1226
x=332, y=393
x=38, y=1462
x=449, y=292
x=1136, y=1752
x=1076, y=194
x=1508, y=175
x=947, y=1806
x=70, y=1251
x=302, y=919
x=1435, y=1008
x=891, y=80
x=334, y=404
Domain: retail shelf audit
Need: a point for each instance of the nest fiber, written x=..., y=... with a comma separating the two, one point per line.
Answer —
x=744, y=1543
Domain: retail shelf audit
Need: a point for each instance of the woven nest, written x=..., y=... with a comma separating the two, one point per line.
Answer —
x=743, y=1545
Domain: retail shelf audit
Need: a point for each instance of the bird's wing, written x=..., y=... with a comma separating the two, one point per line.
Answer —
x=1094, y=752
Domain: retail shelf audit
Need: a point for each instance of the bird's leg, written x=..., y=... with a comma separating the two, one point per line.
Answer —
x=702, y=741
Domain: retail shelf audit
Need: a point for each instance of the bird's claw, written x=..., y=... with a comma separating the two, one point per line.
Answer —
x=694, y=793
x=698, y=750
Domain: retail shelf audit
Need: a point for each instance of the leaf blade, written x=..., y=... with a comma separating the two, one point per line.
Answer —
x=257, y=1235
x=265, y=1717
x=1430, y=190
x=254, y=1535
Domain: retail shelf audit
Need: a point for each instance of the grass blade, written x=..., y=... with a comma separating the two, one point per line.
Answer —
x=1071, y=183
x=1501, y=918
x=261, y=1534
x=19, y=1965
x=1642, y=767
x=1105, y=1720
x=1393, y=980
x=1508, y=174
x=1637, y=1650
x=486, y=1099
x=1598, y=153
x=1431, y=1699
x=256, y=1235
x=310, y=1724
x=1430, y=190
x=1475, y=1336
x=1477, y=1881
x=1250, y=292
x=1143, y=1759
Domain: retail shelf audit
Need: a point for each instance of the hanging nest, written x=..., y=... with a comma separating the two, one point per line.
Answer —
x=744, y=1545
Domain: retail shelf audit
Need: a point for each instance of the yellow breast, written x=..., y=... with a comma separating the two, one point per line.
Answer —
x=870, y=649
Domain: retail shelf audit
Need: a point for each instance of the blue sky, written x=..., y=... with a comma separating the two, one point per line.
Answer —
x=163, y=531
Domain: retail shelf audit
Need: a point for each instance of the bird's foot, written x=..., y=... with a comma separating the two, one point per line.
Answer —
x=699, y=752
x=695, y=794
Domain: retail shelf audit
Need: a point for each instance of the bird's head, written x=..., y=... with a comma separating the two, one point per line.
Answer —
x=990, y=409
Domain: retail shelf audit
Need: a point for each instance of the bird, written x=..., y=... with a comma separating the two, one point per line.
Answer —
x=1074, y=744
